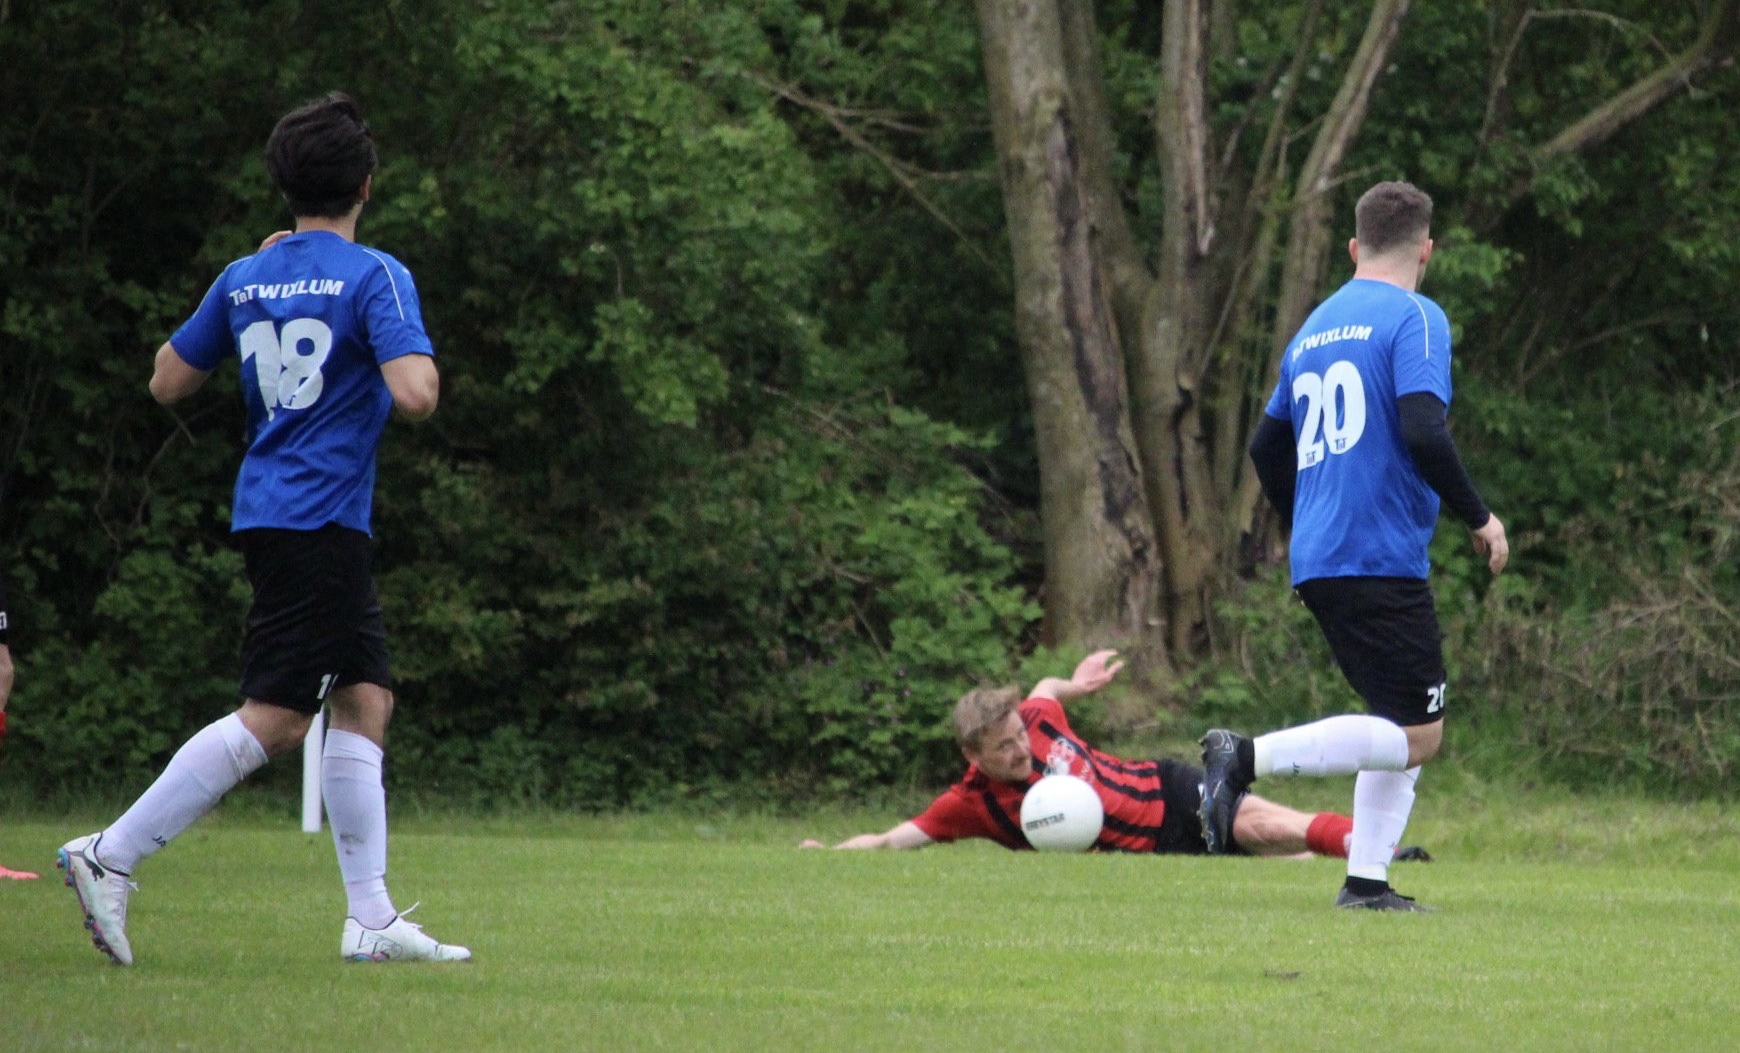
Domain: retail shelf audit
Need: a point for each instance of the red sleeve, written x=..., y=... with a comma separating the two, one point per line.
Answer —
x=1036, y=709
x=951, y=817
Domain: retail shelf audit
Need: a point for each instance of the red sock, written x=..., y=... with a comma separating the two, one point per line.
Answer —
x=1328, y=833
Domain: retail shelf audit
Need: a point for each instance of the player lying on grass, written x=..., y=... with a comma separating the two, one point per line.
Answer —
x=1150, y=805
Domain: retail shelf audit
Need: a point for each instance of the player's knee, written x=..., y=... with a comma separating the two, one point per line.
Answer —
x=1424, y=741
x=276, y=728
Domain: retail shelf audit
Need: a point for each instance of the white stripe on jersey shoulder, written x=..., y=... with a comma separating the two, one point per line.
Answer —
x=390, y=279
x=1425, y=322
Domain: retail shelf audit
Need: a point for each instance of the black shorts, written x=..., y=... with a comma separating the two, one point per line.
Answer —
x=5, y=617
x=1384, y=634
x=315, y=623
x=1181, y=826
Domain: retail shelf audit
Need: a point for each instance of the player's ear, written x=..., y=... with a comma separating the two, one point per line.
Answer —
x=1353, y=250
x=1425, y=252
x=368, y=185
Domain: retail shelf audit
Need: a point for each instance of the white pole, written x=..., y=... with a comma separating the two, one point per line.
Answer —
x=311, y=747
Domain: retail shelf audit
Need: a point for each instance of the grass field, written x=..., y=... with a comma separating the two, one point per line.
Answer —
x=1563, y=925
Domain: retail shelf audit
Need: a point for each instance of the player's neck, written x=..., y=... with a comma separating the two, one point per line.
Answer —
x=1403, y=265
x=1406, y=275
x=344, y=226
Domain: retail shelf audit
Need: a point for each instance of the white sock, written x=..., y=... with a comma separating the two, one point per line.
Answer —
x=1382, y=801
x=356, y=805
x=206, y=767
x=1332, y=746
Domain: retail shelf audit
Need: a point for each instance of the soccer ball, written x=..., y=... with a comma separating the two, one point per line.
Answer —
x=1061, y=813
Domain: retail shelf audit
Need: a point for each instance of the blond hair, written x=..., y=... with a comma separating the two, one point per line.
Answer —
x=982, y=709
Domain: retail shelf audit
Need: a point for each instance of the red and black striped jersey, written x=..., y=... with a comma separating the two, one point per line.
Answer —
x=979, y=806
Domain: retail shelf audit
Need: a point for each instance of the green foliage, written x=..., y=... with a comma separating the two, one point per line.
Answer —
x=805, y=606
x=662, y=535
x=733, y=479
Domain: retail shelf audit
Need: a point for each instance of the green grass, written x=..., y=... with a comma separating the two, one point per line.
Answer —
x=1565, y=924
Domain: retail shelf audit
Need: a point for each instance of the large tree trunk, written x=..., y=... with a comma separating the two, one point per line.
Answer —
x=1102, y=573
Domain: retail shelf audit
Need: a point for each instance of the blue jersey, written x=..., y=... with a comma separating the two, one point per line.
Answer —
x=1360, y=506
x=312, y=319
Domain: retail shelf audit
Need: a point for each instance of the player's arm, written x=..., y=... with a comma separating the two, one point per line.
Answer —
x=415, y=384
x=6, y=675
x=172, y=379
x=5, y=660
x=1426, y=433
x=1094, y=672
x=1276, y=460
x=904, y=836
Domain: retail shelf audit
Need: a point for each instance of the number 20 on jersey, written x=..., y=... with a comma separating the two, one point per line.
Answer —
x=1322, y=429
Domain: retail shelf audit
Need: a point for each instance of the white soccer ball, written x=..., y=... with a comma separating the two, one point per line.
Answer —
x=1061, y=813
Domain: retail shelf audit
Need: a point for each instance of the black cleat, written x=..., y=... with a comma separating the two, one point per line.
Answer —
x=1412, y=854
x=1224, y=780
x=1388, y=899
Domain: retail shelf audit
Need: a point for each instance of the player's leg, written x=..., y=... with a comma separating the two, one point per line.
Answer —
x=356, y=807
x=99, y=866
x=1339, y=745
x=1264, y=828
x=207, y=766
x=351, y=772
x=1384, y=633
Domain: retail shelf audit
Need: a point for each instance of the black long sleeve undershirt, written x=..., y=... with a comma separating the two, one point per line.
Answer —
x=1276, y=460
x=1426, y=436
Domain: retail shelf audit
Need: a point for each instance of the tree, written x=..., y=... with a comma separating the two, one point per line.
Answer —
x=1150, y=322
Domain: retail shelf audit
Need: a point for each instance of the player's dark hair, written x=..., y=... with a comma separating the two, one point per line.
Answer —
x=1391, y=215
x=982, y=709
x=319, y=155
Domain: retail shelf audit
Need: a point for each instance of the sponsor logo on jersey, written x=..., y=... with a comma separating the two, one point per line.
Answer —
x=281, y=290
x=1331, y=336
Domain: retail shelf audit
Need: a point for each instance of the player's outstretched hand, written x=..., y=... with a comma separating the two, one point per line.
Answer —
x=274, y=238
x=1490, y=542
x=811, y=842
x=1096, y=671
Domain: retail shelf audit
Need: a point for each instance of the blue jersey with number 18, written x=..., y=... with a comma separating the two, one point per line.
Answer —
x=312, y=319
x=1360, y=506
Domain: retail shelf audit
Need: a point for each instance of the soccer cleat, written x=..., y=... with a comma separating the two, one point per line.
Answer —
x=102, y=894
x=1224, y=781
x=1388, y=899
x=1412, y=854
x=400, y=941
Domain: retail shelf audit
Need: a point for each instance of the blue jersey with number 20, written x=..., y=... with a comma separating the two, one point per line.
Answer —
x=1360, y=506
x=312, y=319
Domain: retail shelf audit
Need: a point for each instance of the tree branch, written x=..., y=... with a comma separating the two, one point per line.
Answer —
x=1715, y=41
x=1308, y=238
x=902, y=173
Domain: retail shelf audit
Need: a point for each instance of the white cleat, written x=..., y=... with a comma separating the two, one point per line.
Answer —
x=102, y=893
x=400, y=941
